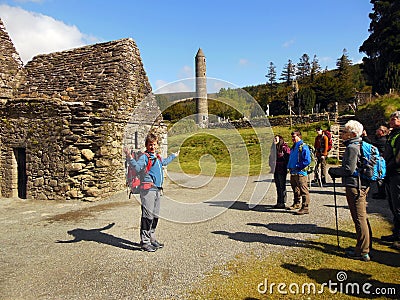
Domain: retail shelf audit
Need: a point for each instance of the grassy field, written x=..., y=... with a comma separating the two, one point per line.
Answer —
x=227, y=152
x=315, y=263
x=222, y=152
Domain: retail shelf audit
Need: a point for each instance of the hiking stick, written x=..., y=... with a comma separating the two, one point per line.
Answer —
x=336, y=213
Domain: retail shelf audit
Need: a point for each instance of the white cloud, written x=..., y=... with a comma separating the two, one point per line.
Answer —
x=243, y=62
x=34, y=33
x=325, y=61
x=214, y=86
x=186, y=72
x=288, y=43
x=163, y=87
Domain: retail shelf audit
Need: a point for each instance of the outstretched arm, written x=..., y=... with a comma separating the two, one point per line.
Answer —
x=170, y=158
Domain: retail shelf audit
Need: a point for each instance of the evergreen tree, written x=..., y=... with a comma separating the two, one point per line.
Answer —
x=271, y=80
x=382, y=47
x=288, y=73
x=303, y=71
x=344, y=77
x=326, y=90
x=306, y=98
x=315, y=68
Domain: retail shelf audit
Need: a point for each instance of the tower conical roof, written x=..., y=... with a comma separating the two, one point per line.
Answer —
x=200, y=53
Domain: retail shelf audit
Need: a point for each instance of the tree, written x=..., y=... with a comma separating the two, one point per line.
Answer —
x=271, y=81
x=315, y=68
x=303, y=70
x=326, y=90
x=382, y=47
x=344, y=77
x=288, y=73
x=306, y=98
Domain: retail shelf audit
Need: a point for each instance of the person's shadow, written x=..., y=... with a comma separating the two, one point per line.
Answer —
x=96, y=235
x=349, y=282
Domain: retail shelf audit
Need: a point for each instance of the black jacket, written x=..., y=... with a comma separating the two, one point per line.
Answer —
x=380, y=143
x=392, y=167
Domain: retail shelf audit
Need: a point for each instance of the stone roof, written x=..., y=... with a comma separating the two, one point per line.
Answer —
x=10, y=64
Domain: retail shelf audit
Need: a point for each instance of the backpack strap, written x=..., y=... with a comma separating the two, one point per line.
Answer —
x=300, y=154
x=151, y=162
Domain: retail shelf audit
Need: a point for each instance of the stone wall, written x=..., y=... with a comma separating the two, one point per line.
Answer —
x=70, y=113
x=278, y=121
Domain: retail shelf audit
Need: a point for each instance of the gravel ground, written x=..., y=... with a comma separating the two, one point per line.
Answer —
x=89, y=250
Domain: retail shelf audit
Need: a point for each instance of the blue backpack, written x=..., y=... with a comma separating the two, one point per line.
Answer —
x=371, y=166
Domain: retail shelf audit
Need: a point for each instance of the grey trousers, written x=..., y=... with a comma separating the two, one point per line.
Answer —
x=150, y=212
x=321, y=164
x=357, y=201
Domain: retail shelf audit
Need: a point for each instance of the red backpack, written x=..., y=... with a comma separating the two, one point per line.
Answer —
x=133, y=179
x=329, y=136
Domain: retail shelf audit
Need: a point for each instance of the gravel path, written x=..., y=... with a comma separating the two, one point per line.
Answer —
x=83, y=250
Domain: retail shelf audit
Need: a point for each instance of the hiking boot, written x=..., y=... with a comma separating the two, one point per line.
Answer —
x=389, y=238
x=279, y=206
x=363, y=257
x=157, y=244
x=294, y=206
x=148, y=248
x=302, y=211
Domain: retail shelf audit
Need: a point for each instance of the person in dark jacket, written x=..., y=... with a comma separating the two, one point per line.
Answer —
x=380, y=143
x=279, y=167
x=356, y=189
x=392, y=179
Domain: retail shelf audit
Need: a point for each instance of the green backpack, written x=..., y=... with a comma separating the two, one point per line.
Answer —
x=311, y=167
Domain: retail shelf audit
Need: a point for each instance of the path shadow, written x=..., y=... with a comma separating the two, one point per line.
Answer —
x=379, y=256
x=352, y=283
x=96, y=235
x=240, y=205
x=303, y=228
x=264, y=180
x=327, y=192
x=315, y=229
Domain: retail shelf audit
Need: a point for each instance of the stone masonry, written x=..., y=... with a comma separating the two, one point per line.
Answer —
x=65, y=117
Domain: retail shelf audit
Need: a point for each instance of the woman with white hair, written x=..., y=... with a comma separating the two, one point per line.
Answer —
x=356, y=189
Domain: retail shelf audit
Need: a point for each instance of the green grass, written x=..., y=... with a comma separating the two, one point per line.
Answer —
x=227, y=152
x=222, y=152
x=386, y=105
x=316, y=262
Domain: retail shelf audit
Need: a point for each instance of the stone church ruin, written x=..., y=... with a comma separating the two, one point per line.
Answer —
x=64, y=119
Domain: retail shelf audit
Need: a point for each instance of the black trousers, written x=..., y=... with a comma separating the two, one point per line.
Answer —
x=393, y=194
x=280, y=183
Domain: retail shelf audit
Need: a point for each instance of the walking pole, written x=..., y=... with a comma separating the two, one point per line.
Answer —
x=336, y=214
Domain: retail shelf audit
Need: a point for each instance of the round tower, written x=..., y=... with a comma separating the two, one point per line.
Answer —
x=201, y=90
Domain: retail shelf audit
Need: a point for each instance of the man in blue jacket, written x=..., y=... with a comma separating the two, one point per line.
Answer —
x=150, y=190
x=299, y=159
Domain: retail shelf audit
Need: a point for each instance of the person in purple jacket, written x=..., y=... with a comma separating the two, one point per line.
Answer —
x=278, y=162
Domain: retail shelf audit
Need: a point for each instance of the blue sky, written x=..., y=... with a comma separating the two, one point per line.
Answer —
x=239, y=38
